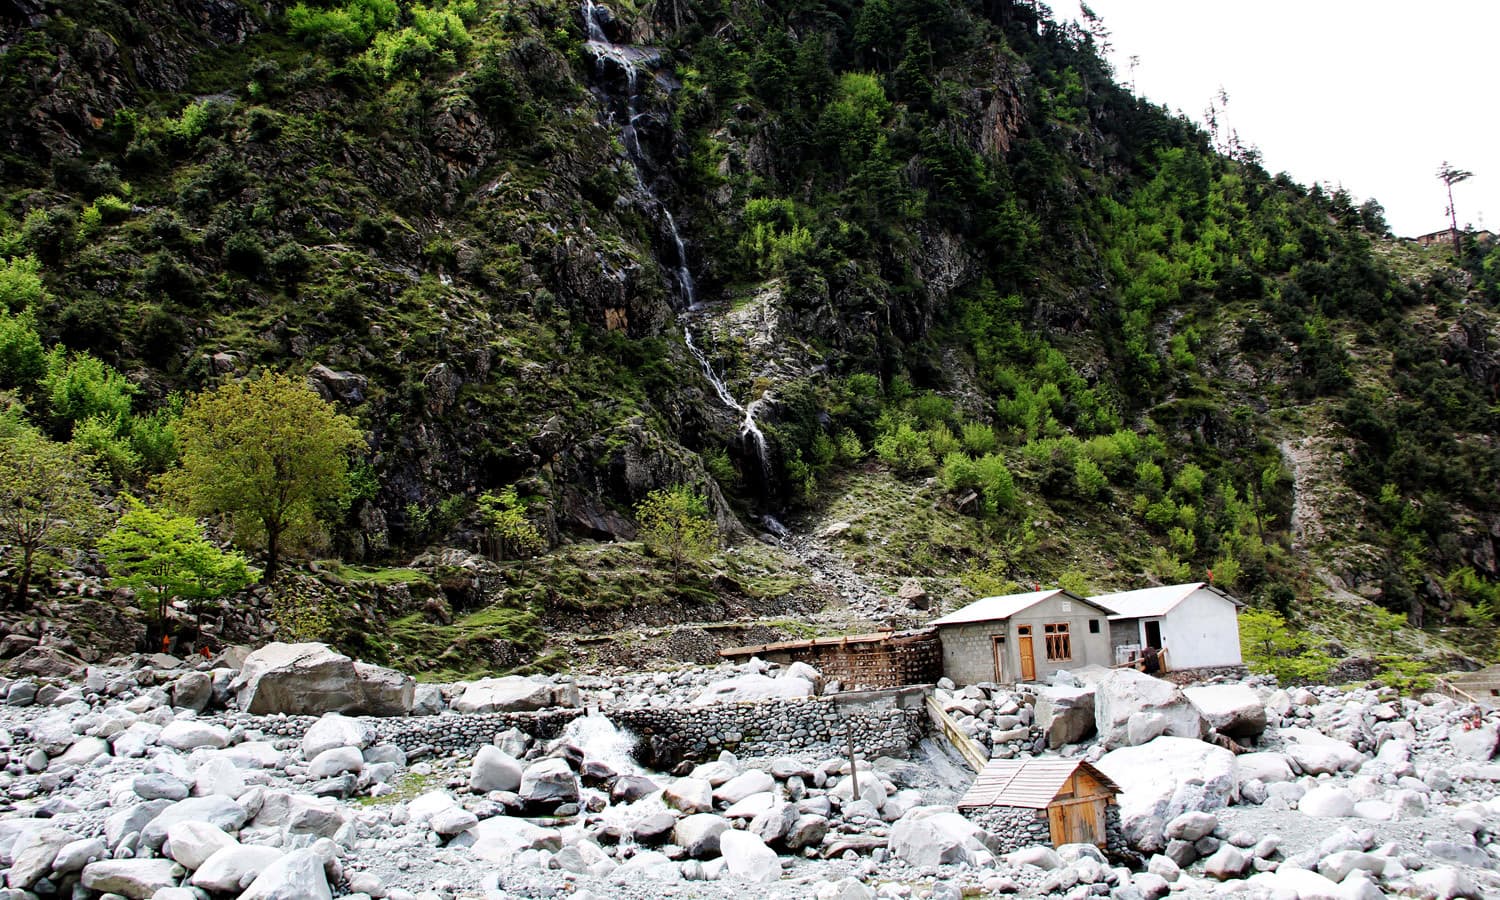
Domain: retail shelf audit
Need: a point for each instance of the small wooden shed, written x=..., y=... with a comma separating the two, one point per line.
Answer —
x=1072, y=796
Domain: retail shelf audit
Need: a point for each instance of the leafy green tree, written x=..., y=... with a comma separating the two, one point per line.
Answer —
x=22, y=360
x=675, y=521
x=46, y=501
x=268, y=452
x=1268, y=645
x=156, y=550
x=505, y=514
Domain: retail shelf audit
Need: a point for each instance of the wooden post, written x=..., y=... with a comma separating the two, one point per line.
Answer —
x=853, y=766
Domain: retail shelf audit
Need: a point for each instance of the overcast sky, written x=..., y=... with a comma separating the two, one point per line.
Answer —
x=1373, y=95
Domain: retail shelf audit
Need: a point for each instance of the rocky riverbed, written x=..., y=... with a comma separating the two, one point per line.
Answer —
x=149, y=778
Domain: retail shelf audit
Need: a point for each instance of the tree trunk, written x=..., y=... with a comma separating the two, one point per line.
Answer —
x=273, y=554
x=23, y=583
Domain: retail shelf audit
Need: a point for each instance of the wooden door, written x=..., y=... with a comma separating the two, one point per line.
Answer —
x=1028, y=656
x=1077, y=822
x=998, y=643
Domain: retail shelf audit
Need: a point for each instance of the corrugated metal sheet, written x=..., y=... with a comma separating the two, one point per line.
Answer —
x=995, y=608
x=1027, y=783
x=1146, y=602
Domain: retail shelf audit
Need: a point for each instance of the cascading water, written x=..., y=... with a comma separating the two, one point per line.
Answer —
x=630, y=59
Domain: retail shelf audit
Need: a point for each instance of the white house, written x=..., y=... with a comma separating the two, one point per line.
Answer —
x=1197, y=624
x=1023, y=637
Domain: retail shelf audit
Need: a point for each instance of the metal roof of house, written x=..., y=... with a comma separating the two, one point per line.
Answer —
x=991, y=608
x=1028, y=783
x=1154, y=601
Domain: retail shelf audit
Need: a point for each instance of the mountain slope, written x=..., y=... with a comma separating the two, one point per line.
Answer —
x=567, y=248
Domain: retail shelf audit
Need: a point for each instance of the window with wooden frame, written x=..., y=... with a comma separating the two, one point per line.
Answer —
x=1059, y=641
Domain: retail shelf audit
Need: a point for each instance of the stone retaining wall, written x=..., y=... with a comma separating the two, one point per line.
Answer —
x=881, y=723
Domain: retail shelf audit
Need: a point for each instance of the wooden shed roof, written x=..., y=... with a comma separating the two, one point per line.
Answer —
x=836, y=641
x=1028, y=783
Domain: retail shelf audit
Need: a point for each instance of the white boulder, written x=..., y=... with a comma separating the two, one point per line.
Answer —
x=753, y=687
x=1132, y=708
x=312, y=679
x=516, y=693
x=1235, y=710
x=1165, y=778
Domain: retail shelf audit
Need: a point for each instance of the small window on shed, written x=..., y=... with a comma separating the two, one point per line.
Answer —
x=1059, y=641
x=1093, y=626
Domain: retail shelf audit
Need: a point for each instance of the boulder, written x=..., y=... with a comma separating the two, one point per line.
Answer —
x=1227, y=862
x=34, y=853
x=871, y=789
x=231, y=869
x=1327, y=801
x=298, y=875
x=1065, y=713
x=935, y=836
x=312, y=679
x=1266, y=767
x=193, y=690
x=549, y=783
x=192, y=843
x=774, y=824
x=494, y=770
x=1315, y=753
x=137, y=879
x=336, y=761
x=630, y=788
x=336, y=730
x=516, y=693
x=1445, y=883
x=1132, y=708
x=1163, y=779
x=1303, y=884
x=499, y=838
x=1235, y=710
x=221, y=812
x=699, y=834
x=747, y=857
x=808, y=831
x=743, y=785
x=690, y=795
x=753, y=687
x=187, y=734
x=1475, y=743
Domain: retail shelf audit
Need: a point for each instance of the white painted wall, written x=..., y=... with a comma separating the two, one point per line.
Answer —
x=1203, y=630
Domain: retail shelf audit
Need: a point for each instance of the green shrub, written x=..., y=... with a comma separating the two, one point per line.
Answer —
x=904, y=449
x=22, y=359
x=942, y=440
x=959, y=472
x=1189, y=482
x=80, y=387
x=100, y=437
x=20, y=284
x=1149, y=478
x=979, y=438
x=1088, y=479
x=1167, y=568
x=997, y=483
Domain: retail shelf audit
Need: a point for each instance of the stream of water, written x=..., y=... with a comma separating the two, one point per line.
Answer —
x=630, y=59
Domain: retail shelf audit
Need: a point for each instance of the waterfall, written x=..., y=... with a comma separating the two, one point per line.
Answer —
x=629, y=59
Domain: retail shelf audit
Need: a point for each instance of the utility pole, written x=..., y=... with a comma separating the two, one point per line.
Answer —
x=1452, y=175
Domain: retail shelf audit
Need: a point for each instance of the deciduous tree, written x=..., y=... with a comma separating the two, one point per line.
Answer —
x=268, y=452
x=46, y=500
x=675, y=521
x=167, y=554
